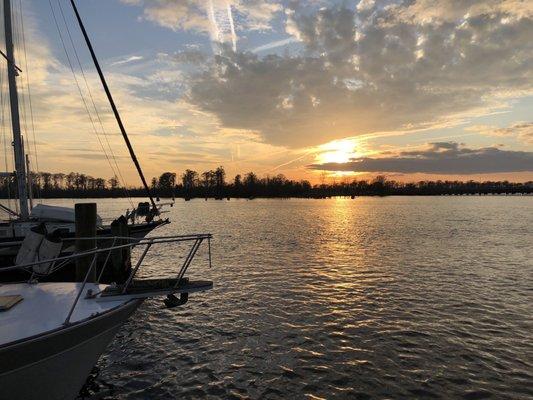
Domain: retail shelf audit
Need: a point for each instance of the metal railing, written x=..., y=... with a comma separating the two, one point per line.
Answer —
x=145, y=243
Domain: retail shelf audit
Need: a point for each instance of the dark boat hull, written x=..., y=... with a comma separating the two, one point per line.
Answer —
x=9, y=248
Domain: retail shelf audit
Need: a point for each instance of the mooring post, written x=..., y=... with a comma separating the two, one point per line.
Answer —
x=85, y=215
x=120, y=259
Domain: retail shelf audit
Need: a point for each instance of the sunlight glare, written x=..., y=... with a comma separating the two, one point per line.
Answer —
x=338, y=151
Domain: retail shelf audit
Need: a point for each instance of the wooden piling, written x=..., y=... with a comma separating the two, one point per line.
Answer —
x=85, y=217
x=120, y=259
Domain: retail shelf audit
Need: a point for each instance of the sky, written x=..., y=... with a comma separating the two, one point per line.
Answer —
x=317, y=90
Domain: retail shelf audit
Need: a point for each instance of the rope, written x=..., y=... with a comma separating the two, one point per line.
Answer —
x=78, y=85
x=22, y=107
x=17, y=40
x=3, y=101
x=23, y=119
x=28, y=87
x=96, y=112
x=3, y=122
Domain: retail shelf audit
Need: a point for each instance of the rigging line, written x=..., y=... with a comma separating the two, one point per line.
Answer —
x=72, y=68
x=13, y=162
x=21, y=85
x=27, y=74
x=25, y=85
x=75, y=77
x=115, y=110
x=4, y=135
x=87, y=85
x=3, y=130
x=124, y=188
x=7, y=59
x=126, y=192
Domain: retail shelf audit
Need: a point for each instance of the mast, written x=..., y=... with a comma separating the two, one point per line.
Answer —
x=114, y=108
x=18, y=149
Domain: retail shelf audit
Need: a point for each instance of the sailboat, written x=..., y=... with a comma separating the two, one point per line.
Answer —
x=52, y=333
x=140, y=221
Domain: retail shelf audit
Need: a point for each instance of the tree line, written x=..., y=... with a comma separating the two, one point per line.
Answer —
x=213, y=184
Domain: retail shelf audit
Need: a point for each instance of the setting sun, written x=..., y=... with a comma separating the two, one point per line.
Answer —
x=338, y=151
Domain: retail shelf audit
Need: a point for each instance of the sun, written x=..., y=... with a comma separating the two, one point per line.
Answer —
x=338, y=151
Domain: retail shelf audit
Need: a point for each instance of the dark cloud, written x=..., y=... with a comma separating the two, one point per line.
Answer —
x=190, y=57
x=384, y=67
x=440, y=158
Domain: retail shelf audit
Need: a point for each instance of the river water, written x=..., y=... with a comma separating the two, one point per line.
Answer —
x=370, y=298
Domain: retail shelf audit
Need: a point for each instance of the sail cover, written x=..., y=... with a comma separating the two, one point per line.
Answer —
x=43, y=212
x=38, y=245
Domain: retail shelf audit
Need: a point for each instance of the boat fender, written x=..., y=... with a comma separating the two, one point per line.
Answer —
x=172, y=301
x=30, y=245
x=49, y=248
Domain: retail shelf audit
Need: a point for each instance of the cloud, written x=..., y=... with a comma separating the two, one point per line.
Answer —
x=205, y=15
x=63, y=129
x=222, y=20
x=190, y=57
x=430, y=11
x=440, y=158
x=381, y=68
x=522, y=131
x=353, y=72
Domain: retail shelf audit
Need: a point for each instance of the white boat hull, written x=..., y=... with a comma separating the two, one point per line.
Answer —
x=56, y=365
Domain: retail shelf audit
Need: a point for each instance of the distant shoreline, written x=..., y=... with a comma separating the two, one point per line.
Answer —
x=213, y=184
x=185, y=198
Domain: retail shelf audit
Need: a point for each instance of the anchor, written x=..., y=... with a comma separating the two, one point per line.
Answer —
x=172, y=301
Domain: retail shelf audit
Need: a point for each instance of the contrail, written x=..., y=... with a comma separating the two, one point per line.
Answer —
x=291, y=161
x=214, y=32
x=222, y=24
x=232, y=27
x=276, y=44
x=127, y=60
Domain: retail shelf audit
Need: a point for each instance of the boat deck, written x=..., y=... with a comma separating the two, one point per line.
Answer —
x=45, y=307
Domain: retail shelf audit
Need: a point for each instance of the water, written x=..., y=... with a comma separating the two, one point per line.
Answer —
x=397, y=297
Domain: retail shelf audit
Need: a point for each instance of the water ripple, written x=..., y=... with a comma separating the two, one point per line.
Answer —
x=319, y=299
